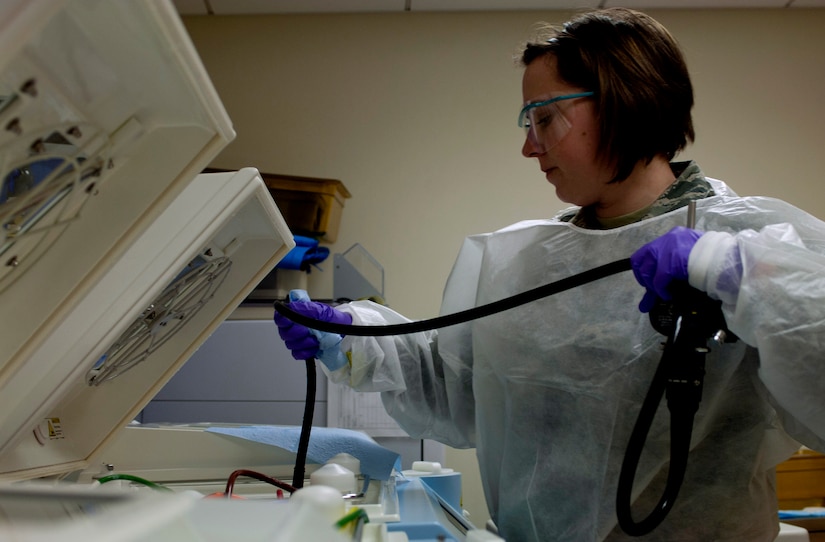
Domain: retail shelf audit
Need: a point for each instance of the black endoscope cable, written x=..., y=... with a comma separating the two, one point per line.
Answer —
x=689, y=323
x=682, y=410
x=423, y=325
x=462, y=316
x=682, y=401
x=306, y=427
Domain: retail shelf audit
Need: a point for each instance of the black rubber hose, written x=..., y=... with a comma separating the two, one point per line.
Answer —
x=462, y=316
x=681, y=429
x=688, y=322
x=423, y=325
x=680, y=440
x=306, y=427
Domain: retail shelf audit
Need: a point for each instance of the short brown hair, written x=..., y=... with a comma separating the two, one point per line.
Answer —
x=639, y=76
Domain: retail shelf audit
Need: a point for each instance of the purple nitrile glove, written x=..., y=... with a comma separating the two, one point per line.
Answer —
x=664, y=260
x=305, y=343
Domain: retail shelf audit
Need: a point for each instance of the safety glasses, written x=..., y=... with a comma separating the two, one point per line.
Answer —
x=544, y=122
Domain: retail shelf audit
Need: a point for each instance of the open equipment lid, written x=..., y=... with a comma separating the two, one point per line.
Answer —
x=106, y=115
x=127, y=336
x=117, y=259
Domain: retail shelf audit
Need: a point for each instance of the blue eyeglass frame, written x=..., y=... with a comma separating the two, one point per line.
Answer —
x=528, y=107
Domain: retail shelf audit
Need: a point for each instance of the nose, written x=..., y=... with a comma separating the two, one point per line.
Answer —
x=530, y=149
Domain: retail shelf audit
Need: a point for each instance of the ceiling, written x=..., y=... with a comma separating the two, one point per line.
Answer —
x=251, y=7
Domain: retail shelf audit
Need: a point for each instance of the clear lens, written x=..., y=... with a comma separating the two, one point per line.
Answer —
x=546, y=125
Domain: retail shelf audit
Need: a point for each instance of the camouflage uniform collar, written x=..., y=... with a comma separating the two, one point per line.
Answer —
x=690, y=184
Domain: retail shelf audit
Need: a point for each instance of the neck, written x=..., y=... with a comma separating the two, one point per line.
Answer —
x=641, y=188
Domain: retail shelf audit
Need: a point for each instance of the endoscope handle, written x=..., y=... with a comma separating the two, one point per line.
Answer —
x=685, y=351
x=692, y=321
x=699, y=312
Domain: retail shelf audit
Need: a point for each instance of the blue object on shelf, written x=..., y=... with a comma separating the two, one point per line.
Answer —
x=805, y=513
x=306, y=252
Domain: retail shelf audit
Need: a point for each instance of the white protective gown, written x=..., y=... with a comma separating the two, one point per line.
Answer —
x=549, y=392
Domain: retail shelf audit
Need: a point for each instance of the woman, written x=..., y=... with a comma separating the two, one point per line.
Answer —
x=548, y=393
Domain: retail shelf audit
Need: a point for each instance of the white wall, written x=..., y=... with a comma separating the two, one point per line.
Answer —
x=416, y=114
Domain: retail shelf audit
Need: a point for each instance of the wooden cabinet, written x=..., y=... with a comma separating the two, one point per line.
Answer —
x=800, y=482
x=311, y=206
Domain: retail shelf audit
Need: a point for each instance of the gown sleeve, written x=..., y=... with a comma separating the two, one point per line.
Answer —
x=772, y=286
x=425, y=379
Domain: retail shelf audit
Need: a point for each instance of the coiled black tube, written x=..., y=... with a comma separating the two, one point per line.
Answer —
x=690, y=321
x=423, y=325
x=681, y=429
x=681, y=418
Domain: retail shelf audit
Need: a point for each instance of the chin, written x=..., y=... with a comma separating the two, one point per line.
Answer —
x=572, y=200
x=566, y=198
